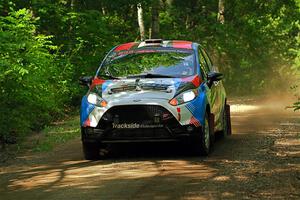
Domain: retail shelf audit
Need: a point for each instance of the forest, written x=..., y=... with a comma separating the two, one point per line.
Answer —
x=46, y=45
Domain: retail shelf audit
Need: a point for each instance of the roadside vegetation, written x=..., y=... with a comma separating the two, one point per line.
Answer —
x=55, y=133
x=46, y=45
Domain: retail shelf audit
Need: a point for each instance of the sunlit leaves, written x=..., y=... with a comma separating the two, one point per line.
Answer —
x=30, y=75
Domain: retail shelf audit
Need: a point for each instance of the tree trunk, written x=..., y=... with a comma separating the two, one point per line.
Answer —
x=221, y=12
x=103, y=11
x=155, y=20
x=71, y=4
x=70, y=33
x=141, y=21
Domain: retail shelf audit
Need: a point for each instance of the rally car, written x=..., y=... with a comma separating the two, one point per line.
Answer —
x=154, y=90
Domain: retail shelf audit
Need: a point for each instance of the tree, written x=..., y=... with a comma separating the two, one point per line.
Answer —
x=154, y=33
x=33, y=80
x=141, y=21
x=42, y=59
x=221, y=13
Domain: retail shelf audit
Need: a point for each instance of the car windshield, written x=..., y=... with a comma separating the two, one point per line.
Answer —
x=149, y=63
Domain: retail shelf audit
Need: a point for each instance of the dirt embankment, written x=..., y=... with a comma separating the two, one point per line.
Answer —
x=261, y=160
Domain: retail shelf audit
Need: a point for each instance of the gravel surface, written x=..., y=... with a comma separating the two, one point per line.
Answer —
x=261, y=160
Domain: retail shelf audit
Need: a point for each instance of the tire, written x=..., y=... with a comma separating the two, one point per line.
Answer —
x=91, y=151
x=226, y=121
x=202, y=143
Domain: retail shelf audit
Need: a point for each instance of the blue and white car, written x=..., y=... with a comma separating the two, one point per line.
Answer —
x=155, y=90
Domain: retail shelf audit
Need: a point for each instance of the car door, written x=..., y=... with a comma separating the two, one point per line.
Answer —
x=216, y=91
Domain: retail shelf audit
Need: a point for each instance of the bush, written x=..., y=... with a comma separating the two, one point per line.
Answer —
x=33, y=86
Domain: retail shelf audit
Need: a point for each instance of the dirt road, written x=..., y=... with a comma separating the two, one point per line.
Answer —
x=261, y=160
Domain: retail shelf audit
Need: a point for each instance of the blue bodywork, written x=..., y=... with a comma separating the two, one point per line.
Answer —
x=85, y=109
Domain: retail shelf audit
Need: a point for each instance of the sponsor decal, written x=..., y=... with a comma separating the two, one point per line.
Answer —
x=123, y=52
x=135, y=126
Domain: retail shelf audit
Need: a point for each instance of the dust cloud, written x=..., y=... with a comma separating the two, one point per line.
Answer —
x=278, y=103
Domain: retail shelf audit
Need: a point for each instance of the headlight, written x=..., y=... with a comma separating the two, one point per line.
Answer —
x=184, y=97
x=96, y=100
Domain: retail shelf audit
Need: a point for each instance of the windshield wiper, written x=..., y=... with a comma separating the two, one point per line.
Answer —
x=150, y=76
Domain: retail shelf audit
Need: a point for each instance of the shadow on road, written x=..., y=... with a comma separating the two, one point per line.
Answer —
x=259, y=161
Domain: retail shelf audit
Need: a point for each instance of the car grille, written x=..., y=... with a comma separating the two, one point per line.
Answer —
x=136, y=114
x=140, y=114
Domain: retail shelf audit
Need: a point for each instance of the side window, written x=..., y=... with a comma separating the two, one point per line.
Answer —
x=203, y=65
x=207, y=59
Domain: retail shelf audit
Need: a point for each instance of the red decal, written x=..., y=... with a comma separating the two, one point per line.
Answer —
x=97, y=81
x=178, y=112
x=182, y=44
x=196, y=81
x=126, y=46
x=87, y=122
x=195, y=122
x=193, y=79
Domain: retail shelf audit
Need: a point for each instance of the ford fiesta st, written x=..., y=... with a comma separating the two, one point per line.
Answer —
x=155, y=90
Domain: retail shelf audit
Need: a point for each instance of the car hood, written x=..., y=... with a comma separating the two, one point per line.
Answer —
x=146, y=88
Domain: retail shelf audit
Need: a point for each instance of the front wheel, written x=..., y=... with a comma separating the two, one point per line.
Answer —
x=203, y=142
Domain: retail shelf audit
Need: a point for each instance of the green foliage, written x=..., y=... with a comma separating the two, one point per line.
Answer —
x=31, y=84
x=296, y=65
x=251, y=48
x=46, y=45
x=57, y=134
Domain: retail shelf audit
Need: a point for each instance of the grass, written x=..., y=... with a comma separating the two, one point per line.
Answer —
x=57, y=133
x=51, y=136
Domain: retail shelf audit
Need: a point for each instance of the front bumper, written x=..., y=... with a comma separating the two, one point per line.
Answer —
x=191, y=113
x=94, y=135
x=132, y=123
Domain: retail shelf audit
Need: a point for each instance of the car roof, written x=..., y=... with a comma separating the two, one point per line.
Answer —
x=178, y=44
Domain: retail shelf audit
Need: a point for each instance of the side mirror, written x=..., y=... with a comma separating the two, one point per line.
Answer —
x=213, y=77
x=85, y=80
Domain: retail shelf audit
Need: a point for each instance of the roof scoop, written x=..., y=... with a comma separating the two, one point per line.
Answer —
x=153, y=41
